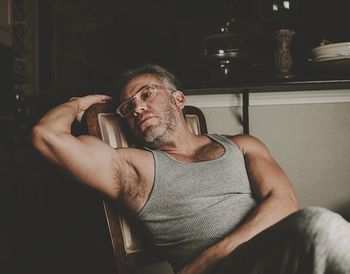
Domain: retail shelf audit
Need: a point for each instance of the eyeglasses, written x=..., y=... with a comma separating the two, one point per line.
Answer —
x=147, y=94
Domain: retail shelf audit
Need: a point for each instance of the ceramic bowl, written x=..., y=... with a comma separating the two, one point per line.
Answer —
x=336, y=50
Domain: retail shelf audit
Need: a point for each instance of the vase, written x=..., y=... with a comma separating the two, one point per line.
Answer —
x=280, y=18
x=283, y=56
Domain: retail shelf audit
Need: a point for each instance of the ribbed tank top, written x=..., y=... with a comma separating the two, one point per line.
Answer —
x=194, y=205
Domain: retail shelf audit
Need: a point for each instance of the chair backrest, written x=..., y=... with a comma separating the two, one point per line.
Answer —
x=129, y=245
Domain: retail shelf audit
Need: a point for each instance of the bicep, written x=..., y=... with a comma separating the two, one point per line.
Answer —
x=96, y=164
x=265, y=174
x=86, y=158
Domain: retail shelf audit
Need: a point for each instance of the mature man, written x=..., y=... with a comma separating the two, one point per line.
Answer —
x=211, y=203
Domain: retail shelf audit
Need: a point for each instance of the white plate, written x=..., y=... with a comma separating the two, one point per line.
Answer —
x=331, y=50
x=329, y=58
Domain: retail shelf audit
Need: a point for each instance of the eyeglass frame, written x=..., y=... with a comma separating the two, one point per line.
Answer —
x=154, y=87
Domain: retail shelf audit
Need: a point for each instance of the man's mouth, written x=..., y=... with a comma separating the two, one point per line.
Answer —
x=143, y=120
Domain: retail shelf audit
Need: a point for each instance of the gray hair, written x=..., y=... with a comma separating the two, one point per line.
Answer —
x=159, y=72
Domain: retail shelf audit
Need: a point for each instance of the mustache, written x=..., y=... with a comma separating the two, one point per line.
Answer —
x=144, y=116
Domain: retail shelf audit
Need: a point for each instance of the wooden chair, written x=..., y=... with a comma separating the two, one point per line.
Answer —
x=129, y=245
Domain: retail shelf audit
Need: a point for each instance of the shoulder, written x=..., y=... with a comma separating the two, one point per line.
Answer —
x=248, y=143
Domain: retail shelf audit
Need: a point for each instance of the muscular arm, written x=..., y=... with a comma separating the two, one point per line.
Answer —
x=276, y=201
x=88, y=159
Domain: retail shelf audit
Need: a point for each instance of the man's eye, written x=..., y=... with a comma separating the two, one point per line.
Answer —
x=146, y=95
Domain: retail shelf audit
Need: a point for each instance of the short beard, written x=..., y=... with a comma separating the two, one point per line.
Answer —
x=168, y=122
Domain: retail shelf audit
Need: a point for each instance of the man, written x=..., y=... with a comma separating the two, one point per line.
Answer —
x=211, y=203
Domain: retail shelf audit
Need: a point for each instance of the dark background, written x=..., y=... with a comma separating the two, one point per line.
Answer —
x=171, y=33
x=52, y=224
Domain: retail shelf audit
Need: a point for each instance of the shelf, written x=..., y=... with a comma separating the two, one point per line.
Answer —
x=284, y=86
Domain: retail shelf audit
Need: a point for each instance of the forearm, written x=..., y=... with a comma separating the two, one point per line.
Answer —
x=271, y=210
x=60, y=118
x=52, y=135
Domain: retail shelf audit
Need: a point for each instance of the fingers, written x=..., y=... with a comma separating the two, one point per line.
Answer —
x=97, y=98
x=86, y=101
x=94, y=97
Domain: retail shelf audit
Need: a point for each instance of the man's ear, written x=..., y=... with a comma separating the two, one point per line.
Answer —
x=179, y=98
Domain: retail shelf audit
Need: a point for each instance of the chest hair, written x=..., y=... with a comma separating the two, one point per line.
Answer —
x=207, y=152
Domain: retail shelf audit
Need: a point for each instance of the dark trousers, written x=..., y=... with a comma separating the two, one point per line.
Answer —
x=310, y=241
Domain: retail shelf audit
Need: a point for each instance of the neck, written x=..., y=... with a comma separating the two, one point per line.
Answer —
x=182, y=142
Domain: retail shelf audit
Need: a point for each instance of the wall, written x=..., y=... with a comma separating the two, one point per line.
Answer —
x=310, y=142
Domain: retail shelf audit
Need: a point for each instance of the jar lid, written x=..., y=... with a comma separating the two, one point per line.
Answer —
x=224, y=45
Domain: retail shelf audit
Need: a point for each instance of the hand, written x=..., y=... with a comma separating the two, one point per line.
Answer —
x=85, y=102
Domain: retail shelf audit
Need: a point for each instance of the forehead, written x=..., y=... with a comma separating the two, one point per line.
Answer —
x=135, y=84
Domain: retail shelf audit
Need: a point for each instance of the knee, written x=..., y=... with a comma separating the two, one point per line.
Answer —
x=321, y=232
x=314, y=213
x=314, y=221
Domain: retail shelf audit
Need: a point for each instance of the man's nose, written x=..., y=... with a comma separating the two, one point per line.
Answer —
x=138, y=106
